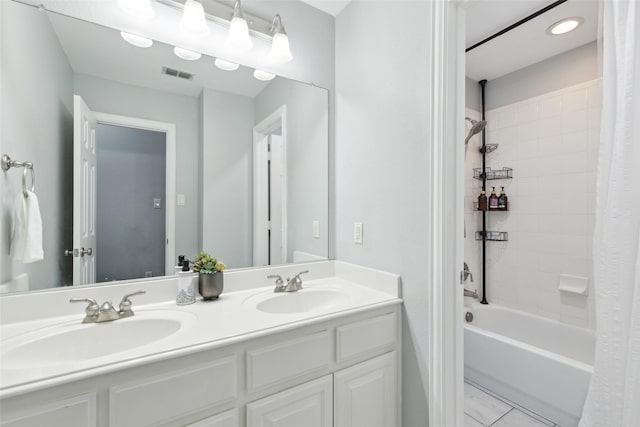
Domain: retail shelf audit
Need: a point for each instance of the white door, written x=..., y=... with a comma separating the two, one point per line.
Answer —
x=276, y=211
x=84, y=193
x=366, y=395
x=307, y=405
x=261, y=201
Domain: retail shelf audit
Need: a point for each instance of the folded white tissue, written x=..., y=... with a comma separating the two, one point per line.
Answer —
x=26, y=241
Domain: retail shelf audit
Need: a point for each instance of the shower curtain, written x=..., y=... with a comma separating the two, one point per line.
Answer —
x=614, y=393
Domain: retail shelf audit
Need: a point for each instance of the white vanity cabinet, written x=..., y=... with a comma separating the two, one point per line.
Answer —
x=341, y=370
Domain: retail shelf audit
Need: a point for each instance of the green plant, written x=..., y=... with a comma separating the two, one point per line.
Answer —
x=206, y=264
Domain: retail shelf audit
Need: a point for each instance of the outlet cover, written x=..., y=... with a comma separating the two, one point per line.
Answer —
x=181, y=200
x=357, y=233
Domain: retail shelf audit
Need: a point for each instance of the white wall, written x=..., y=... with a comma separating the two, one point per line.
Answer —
x=111, y=97
x=551, y=142
x=576, y=66
x=307, y=160
x=227, y=171
x=37, y=126
x=382, y=106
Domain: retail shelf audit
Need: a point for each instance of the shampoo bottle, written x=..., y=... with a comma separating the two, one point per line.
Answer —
x=503, y=201
x=493, y=200
x=482, y=201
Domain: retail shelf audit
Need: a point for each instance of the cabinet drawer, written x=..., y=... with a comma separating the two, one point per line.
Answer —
x=369, y=337
x=79, y=411
x=287, y=360
x=149, y=401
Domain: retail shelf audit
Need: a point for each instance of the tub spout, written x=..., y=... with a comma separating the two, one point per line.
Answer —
x=473, y=294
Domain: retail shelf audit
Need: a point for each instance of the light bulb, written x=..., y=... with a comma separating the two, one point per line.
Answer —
x=263, y=75
x=226, y=65
x=139, y=8
x=238, y=37
x=135, y=40
x=193, y=19
x=280, y=48
x=187, y=55
x=564, y=26
x=280, y=51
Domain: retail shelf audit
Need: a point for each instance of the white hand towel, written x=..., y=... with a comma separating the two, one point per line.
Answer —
x=26, y=243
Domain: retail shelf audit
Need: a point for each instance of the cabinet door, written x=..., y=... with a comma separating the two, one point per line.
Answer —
x=308, y=405
x=366, y=395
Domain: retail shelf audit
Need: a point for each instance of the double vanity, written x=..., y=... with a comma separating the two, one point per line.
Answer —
x=326, y=355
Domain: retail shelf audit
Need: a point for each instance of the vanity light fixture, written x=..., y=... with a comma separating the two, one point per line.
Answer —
x=564, y=26
x=226, y=65
x=193, y=19
x=263, y=75
x=187, y=55
x=138, y=8
x=135, y=40
x=238, y=37
x=280, y=51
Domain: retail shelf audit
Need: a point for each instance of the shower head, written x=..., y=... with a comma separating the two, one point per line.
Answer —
x=476, y=127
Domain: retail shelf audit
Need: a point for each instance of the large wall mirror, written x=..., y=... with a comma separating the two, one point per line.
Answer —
x=141, y=156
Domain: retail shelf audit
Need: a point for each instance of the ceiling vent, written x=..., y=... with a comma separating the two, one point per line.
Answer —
x=177, y=73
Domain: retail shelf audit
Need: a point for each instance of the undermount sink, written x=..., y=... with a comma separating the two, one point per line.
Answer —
x=77, y=342
x=304, y=300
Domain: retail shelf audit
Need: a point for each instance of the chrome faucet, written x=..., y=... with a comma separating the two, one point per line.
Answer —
x=106, y=312
x=293, y=285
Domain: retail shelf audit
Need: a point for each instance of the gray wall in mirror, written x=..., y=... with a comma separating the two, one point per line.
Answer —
x=214, y=164
x=131, y=174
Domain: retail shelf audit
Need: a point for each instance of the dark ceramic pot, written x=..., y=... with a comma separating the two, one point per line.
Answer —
x=210, y=285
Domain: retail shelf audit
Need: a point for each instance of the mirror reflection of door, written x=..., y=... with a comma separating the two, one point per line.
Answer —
x=84, y=193
x=120, y=195
x=270, y=192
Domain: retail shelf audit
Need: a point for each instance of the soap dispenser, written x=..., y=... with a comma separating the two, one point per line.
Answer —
x=482, y=201
x=493, y=200
x=186, y=285
x=503, y=201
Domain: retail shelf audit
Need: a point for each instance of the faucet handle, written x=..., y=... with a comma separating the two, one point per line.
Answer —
x=297, y=276
x=125, y=304
x=278, y=278
x=92, y=309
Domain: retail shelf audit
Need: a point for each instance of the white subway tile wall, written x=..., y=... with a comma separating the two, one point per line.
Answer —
x=551, y=142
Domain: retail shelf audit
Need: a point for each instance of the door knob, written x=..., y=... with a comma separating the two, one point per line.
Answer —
x=78, y=252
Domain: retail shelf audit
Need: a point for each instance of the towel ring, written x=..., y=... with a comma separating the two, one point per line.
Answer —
x=28, y=166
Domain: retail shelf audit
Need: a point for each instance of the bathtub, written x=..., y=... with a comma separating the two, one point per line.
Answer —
x=540, y=364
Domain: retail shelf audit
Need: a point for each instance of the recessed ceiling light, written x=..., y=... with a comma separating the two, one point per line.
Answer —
x=263, y=75
x=226, y=65
x=138, y=41
x=187, y=55
x=564, y=26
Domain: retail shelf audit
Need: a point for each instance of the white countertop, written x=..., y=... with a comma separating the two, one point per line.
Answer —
x=205, y=325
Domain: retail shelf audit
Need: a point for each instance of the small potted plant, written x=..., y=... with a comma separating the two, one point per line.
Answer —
x=210, y=280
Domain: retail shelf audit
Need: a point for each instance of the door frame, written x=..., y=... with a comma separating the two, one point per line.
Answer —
x=445, y=158
x=274, y=120
x=169, y=129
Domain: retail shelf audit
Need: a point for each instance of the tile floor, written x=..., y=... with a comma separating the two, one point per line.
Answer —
x=483, y=408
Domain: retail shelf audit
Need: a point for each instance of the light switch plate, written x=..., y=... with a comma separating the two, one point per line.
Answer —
x=157, y=203
x=316, y=229
x=357, y=233
x=181, y=200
